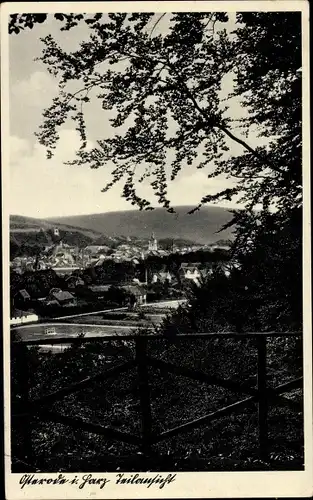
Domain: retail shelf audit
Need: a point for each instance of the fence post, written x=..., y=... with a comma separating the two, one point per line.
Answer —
x=24, y=425
x=262, y=398
x=144, y=393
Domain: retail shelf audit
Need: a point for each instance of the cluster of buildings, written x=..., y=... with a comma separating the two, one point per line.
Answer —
x=136, y=251
x=68, y=262
x=136, y=291
x=23, y=303
x=64, y=259
x=192, y=272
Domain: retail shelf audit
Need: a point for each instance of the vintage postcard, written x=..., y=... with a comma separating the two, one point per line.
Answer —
x=156, y=249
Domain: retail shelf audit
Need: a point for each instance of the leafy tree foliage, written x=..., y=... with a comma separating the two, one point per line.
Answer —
x=37, y=283
x=163, y=91
x=120, y=296
x=268, y=77
x=111, y=272
x=263, y=291
x=18, y=22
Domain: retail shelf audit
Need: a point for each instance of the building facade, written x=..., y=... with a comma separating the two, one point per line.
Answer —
x=153, y=244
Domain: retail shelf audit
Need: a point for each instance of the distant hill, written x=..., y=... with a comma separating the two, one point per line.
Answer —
x=200, y=227
x=26, y=233
x=22, y=224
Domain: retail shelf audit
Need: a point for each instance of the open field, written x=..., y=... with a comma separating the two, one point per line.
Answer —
x=53, y=330
x=134, y=320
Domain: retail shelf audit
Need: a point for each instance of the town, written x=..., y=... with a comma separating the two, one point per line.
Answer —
x=62, y=279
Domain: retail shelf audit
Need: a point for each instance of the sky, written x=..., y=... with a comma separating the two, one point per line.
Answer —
x=46, y=188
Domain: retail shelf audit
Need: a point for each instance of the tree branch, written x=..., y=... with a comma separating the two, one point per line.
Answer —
x=222, y=127
x=156, y=23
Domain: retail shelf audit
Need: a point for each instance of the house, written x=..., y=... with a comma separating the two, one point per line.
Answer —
x=50, y=302
x=99, y=291
x=190, y=271
x=63, y=271
x=21, y=317
x=94, y=250
x=22, y=295
x=21, y=299
x=63, y=298
x=137, y=291
x=73, y=282
x=162, y=277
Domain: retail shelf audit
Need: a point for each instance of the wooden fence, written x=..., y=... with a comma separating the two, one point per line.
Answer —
x=262, y=396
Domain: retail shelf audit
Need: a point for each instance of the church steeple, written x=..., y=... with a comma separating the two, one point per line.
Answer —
x=153, y=243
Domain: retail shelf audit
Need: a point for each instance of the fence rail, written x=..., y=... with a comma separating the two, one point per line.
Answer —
x=261, y=395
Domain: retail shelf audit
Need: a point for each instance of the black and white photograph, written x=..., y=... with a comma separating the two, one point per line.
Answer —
x=156, y=248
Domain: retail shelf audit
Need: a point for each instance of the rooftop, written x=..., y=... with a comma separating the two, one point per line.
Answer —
x=99, y=288
x=62, y=295
x=24, y=293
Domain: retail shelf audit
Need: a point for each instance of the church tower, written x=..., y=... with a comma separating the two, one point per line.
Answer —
x=153, y=243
